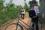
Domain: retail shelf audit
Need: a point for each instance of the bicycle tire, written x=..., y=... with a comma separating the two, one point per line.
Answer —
x=21, y=28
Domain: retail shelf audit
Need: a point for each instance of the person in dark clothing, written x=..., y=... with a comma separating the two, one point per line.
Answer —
x=34, y=17
x=33, y=13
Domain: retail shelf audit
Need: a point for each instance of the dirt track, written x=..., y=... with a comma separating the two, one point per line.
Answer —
x=13, y=26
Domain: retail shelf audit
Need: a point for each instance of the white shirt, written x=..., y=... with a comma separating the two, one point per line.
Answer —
x=36, y=9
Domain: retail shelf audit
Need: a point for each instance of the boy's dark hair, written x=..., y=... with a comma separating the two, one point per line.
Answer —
x=32, y=2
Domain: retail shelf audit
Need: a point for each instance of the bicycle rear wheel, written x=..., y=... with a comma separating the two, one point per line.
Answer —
x=13, y=26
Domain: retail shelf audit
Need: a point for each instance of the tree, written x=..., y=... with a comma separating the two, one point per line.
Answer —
x=1, y=12
x=1, y=4
x=42, y=9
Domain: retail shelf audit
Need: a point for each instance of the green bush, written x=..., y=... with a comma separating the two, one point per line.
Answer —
x=11, y=13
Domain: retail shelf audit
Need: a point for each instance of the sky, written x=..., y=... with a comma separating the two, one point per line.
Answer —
x=18, y=2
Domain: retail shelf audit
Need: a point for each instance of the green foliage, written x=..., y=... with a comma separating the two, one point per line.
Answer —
x=2, y=14
x=9, y=12
x=1, y=4
x=12, y=11
x=30, y=3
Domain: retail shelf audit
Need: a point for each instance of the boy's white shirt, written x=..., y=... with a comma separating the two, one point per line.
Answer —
x=36, y=9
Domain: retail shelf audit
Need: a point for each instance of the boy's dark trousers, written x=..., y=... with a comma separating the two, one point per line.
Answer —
x=35, y=22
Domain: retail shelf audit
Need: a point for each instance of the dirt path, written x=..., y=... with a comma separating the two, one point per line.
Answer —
x=12, y=25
